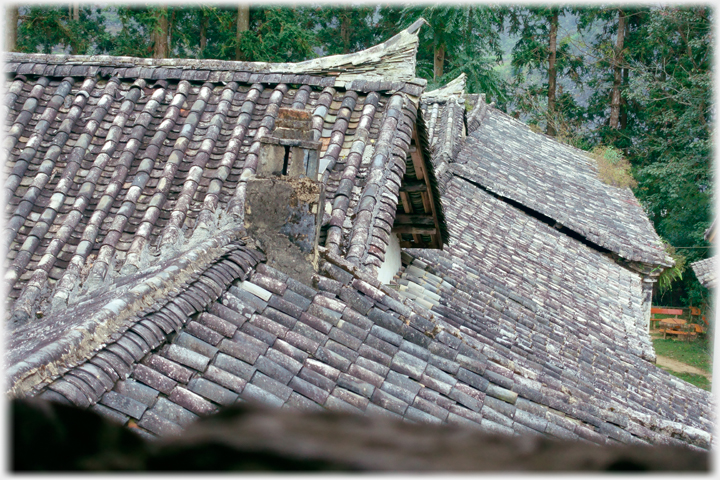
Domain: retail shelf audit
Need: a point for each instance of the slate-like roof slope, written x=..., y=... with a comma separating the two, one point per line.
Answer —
x=548, y=297
x=505, y=156
x=705, y=272
x=355, y=345
x=147, y=303
x=109, y=157
x=547, y=300
x=572, y=283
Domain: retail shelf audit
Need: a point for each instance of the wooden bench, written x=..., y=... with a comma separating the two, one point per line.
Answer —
x=698, y=328
x=699, y=322
x=664, y=311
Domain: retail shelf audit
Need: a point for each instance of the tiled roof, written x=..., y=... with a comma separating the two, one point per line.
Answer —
x=352, y=344
x=705, y=272
x=565, y=319
x=111, y=156
x=555, y=273
x=443, y=110
x=506, y=157
x=137, y=293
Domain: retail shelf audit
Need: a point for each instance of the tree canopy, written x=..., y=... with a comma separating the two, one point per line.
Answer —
x=627, y=83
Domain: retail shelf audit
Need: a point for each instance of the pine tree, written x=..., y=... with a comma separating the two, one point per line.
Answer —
x=460, y=39
x=543, y=51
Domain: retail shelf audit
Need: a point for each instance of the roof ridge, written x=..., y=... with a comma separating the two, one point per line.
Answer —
x=113, y=313
x=451, y=89
x=393, y=59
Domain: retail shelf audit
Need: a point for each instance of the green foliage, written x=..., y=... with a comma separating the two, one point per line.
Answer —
x=469, y=35
x=347, y=28
x=51, y=29
x=278, y=34
x=134, y=38
x=670, y=275
x=672, y=149
x=530, y=62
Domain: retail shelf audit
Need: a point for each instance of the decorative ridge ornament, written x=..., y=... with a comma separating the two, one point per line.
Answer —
x=453, y=88
x=394, y=59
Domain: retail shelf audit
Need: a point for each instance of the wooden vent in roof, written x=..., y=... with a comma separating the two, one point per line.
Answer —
x=417, y=223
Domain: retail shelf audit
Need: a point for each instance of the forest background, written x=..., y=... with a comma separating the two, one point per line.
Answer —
x=632, y=85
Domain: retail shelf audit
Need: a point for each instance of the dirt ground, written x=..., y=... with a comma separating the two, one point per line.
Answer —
x=675, y=365
x=680, y=367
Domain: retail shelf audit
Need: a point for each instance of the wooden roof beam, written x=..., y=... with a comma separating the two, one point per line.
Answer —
x=419, y=163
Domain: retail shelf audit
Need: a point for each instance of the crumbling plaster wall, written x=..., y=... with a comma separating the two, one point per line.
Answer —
x=282, y=216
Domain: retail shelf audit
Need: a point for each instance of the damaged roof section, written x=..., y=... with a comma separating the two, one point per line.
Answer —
x=114, y=160
x=556, y=181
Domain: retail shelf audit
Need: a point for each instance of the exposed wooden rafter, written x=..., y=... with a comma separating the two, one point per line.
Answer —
x=413, y=222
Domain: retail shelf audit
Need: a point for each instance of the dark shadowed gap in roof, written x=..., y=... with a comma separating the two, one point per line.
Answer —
x=539, y=216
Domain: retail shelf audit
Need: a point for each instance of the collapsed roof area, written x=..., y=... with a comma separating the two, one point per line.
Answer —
x=148, y=282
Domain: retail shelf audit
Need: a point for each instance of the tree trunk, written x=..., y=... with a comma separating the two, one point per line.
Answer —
x=204, y=20
x=439, y=62
x=617, y=73
x=11, y=20
x=171, y=22
x=623, y=102
x=243, y=25
x=160, y=33
x=345, y=29
x=74, y=41
x=552, y=73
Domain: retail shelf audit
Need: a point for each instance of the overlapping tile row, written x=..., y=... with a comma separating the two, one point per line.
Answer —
x=349, y=344
x=508, y=158
x=603, y=397
x=60, y=339
x=101, y=381
x=444, y=112
x=446, y=130
x=578, y=353
x=102, y=169
x=705, y=272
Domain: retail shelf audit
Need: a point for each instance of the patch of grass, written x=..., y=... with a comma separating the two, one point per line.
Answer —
x=660, y=316
x=697, y=380
x=696, y=353
x=613, y=168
